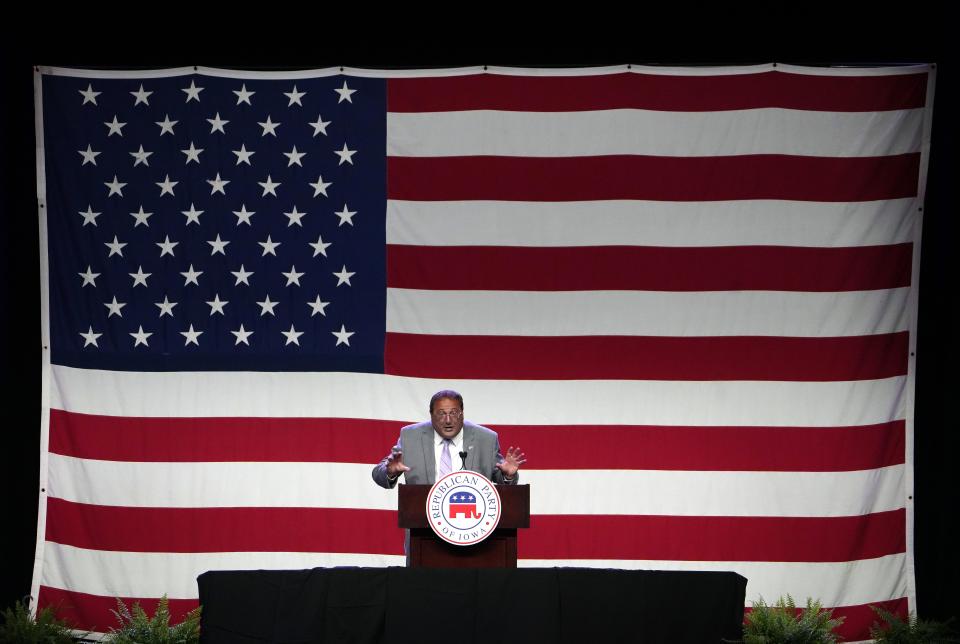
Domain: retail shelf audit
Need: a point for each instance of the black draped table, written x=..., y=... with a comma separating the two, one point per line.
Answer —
x=465, y=606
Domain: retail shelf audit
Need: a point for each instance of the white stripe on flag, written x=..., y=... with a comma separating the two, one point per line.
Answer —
x=700, y=493
x=654, y=133
x=227, y=484
x=347, y=485
x=647, y=313
x=375, y=396
x=651, y=223
x=137, y=574
x=149, y=574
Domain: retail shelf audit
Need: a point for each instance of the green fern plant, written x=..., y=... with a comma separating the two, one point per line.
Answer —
x=911, y=630
x=782, y=623
x=19, y=626
x=136, y=627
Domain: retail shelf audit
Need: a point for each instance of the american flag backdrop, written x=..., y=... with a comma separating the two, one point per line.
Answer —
x=689, y=295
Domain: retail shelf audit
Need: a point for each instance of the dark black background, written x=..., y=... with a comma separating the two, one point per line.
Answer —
x=802, y=35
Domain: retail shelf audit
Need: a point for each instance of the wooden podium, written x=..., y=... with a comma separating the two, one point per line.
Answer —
x=499, y=550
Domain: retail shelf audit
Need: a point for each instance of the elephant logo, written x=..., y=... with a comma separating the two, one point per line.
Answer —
x=463, y=503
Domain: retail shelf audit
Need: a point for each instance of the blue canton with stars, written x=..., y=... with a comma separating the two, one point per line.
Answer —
x=206, y=223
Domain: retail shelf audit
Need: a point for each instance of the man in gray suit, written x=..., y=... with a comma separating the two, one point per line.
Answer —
x=447, y=444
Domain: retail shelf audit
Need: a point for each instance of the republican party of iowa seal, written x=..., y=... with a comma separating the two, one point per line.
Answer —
x=463, y=508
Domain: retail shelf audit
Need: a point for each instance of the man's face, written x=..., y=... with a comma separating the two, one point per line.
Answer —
x=447, y=417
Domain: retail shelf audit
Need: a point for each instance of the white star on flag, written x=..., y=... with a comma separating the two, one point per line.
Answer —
x=115, y=127
x=191, y=276
x=90, y=338
x=141, y=96
x=243, y=96
x=294, y=97
x=243, y=155
x=114, y=307
x=320, y=126
x=216, y=305
x=90, y=217
x=140, y=337
x=266, y=306
x=294, y=157
x=116, y=188
x=345, y=93
x=89, y=96
x=242, y=336
x=242, y=276
x=193, y=215
x=193, y=92
x=191, y=336
x=166, y=246
x=292, y=336
x=141, y=217
x=346, y=216
x=320, y=247
x=218, y=185
x=166, y=186
x=346, y=155
x=343, y=277
x=116, y=247
x=89, y=278
x=269, y=186
x=295, y=217
x=293, y=277
x=166, y=125
x=343, y=336
x=140, y=156
x=320, y=188
x=166, y=307
x=243, y=215
x=217, y=124
x=139, y=278
x=218, y=246
x=269, y=247
x=269, y=127
x=318, y=306
x=89, y=156
x=193, y=153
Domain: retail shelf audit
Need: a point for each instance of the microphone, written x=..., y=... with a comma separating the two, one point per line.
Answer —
x=463, y=460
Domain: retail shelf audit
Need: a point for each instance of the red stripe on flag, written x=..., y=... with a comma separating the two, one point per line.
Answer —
x=757, y=176
x=130, y=529
x=658, y=92
x=648, y=358
x=857, y=619
x=118, y=438
x=114, y=438
x=709, y=538
x=87, y=612
x=839, y=449
x=650, y=268
x=628, y=537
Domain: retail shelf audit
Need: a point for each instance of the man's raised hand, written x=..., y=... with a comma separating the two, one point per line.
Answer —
x=511, y=462
x=395, y=466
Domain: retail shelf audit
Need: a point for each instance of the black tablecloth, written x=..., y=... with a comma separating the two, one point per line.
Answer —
x=466, y=606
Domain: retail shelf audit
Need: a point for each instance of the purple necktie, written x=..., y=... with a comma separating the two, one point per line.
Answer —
x=446, y=466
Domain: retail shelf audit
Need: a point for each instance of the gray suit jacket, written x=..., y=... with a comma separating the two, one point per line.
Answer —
x=416, y=441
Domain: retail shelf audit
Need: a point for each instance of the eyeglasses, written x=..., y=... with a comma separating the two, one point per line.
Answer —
x=452, y=415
